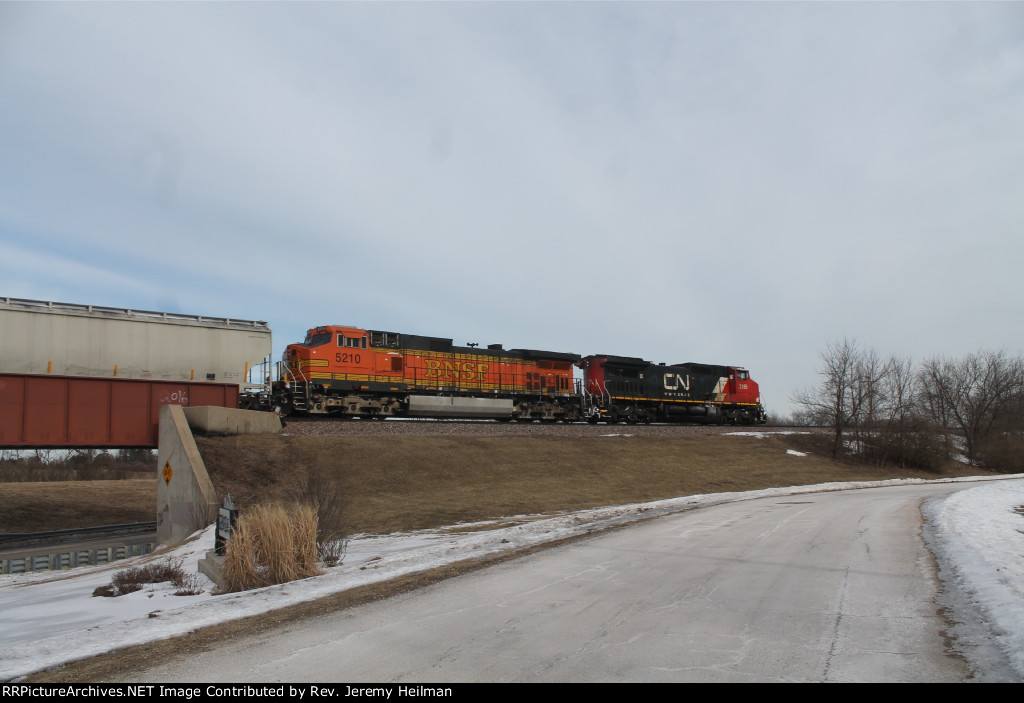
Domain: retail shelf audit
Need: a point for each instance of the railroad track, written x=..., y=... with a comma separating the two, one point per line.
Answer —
x=308, y=426
x=31, y=540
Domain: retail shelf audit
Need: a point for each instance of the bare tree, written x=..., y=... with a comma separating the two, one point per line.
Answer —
x=897, y=415
x=804, y=417
x=900, y=432
x=832, y=402
x=1003, y=449
x=886, y=411
x=869, y=402
x=972, y=394
x=867, y=396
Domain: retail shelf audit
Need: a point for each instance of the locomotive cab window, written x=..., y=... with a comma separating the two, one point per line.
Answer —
x=315, y=340
x=352, y=342
x=384, y=339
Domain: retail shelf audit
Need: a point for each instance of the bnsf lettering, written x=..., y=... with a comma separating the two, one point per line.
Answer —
x=346, y=358
x=675, y=382
x=444, y=370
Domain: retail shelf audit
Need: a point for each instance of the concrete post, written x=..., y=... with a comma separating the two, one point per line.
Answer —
x=185, y=500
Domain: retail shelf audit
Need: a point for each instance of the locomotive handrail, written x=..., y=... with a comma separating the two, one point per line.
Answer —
x=603, y=396
x=297, y=371
x=602, y=391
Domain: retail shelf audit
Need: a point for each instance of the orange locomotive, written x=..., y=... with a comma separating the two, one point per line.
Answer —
x=349, y=371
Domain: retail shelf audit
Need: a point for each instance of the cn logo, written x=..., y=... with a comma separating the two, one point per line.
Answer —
x=675, y=382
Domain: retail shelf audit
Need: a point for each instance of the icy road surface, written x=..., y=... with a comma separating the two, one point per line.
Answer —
x=978, y=535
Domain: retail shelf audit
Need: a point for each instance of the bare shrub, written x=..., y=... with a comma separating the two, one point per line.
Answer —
x=1004, y=453
x=328, y=499
x=129, y=581
x=974, y=395
x=332, y=552
x=190, y=585
x=271, y=544
x=22, y=465
x=25, y=468
x=134, y=578
x=167, y=570
x=914, y=442
x=141, y=458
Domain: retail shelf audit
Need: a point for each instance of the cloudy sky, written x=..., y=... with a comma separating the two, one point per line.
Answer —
x=716, y=182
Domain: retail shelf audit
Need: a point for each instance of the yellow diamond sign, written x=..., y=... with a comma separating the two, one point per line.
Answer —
x=168, y=473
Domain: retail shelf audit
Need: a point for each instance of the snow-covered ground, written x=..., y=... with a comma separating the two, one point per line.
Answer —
x=51, y=617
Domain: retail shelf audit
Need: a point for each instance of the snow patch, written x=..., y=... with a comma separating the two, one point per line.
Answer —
x=51, y=618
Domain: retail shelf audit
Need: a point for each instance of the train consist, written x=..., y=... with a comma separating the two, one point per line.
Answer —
x=354, y=372
x=87, y=375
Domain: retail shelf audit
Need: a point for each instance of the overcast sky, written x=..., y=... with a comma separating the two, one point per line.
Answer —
x=715, y=182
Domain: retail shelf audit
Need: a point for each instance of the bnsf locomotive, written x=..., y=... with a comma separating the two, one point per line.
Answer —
x=354, y=372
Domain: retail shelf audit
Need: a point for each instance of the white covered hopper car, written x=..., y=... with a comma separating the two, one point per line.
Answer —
x=66, y=339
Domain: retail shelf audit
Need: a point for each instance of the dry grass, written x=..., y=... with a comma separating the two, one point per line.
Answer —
x=401, y=483
x=271, y=544
x=58, y=505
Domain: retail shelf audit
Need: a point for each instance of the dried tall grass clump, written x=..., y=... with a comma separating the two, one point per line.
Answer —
x=241, y=570
x=304, y=531
x=271, y=544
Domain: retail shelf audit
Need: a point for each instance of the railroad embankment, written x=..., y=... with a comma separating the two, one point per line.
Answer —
x=392, y=477
x=411, y=481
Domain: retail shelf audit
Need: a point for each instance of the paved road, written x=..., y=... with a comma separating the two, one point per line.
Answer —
x=820, y=587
